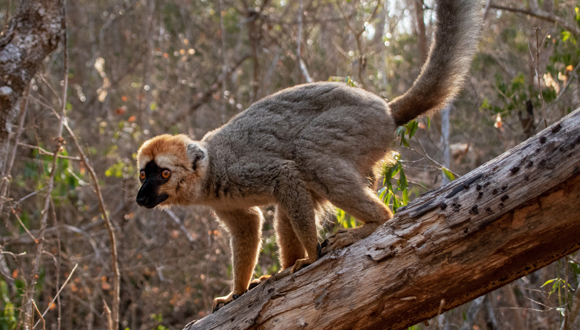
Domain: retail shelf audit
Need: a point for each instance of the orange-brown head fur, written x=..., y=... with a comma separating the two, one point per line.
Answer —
x=184, y=158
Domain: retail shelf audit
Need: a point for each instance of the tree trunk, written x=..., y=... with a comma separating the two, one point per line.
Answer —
x=508, y=218
x=31, y=35
x=421, y=33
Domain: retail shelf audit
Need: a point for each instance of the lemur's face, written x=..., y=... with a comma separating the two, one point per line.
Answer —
x=170, y=167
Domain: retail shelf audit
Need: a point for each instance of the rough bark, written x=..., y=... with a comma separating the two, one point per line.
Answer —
x=510, y=217
x=31, y=36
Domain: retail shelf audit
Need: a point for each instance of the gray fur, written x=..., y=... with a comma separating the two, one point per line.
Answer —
x=324, y=133
x=195, y=154
x=441, y=78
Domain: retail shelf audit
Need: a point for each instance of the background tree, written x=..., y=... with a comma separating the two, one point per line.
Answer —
x=138, y=68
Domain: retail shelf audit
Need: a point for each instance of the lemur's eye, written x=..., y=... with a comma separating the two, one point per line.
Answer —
x=142, y=175
x=166, y=174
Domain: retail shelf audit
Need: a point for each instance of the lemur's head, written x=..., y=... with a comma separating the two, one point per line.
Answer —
x=171, y=169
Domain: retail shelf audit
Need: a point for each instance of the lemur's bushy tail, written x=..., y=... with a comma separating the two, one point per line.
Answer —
x=442, y=75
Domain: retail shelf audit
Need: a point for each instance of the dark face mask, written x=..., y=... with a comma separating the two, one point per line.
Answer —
x=148, y=195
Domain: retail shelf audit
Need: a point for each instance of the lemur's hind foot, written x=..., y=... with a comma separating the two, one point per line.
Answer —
x=345, y=237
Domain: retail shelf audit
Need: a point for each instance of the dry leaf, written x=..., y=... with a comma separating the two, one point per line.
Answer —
x=121, y=110
x=498, y=121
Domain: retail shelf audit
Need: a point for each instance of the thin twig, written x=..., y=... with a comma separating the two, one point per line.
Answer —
x=357, y=35
x=224, y=61
x=541, y=14
x=42, y=151
x=57, y=264
x=486, y=9
x=5, y=183
x=27, y=196
x=570, y=316
x=301, y=63
x=7, y=15
x=433, y=325
x=538, y=76
x=207, y=95
x=24, y=226
x=41, y=317
x=59, y=291
x=59, y=141
x=176, y=219
x=433, y=160
x=112, y=238
x=109, y=318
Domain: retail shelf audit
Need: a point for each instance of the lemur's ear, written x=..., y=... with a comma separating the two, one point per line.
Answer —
x=195, y=154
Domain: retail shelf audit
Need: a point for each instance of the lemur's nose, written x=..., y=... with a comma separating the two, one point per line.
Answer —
x=142, y=200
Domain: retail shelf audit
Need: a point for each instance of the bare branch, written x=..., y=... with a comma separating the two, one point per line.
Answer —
x=114, y=324
x=58, y=293
x=59, y=141
x=541, y=14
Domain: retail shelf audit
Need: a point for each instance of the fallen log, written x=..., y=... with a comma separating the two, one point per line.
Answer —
x=513, y=215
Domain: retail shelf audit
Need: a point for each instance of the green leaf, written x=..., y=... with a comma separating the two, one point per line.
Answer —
x=400, y=130
x=412, y=128
x=396, y=204
x=402, y=182
x=484, y=104
x=566, y=35
x=382, y=192
x=448, y=174
x=548, y=282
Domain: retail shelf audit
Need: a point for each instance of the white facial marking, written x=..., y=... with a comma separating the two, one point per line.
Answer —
x=143, y=160
x=165, y=161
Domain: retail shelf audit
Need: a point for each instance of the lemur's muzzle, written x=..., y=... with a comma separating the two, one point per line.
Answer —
x=148, y=196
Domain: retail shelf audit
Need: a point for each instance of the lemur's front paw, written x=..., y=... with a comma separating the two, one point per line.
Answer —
x=220, y=302
x=301, y=263
x=258, y=281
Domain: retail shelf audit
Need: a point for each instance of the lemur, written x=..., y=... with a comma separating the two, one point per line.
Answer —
x=300, y=149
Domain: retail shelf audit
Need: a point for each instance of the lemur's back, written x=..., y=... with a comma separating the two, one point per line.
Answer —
x=312, y=125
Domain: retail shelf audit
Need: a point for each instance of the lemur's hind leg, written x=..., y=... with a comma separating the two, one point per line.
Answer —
x=358, y=200
x=296, y=202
